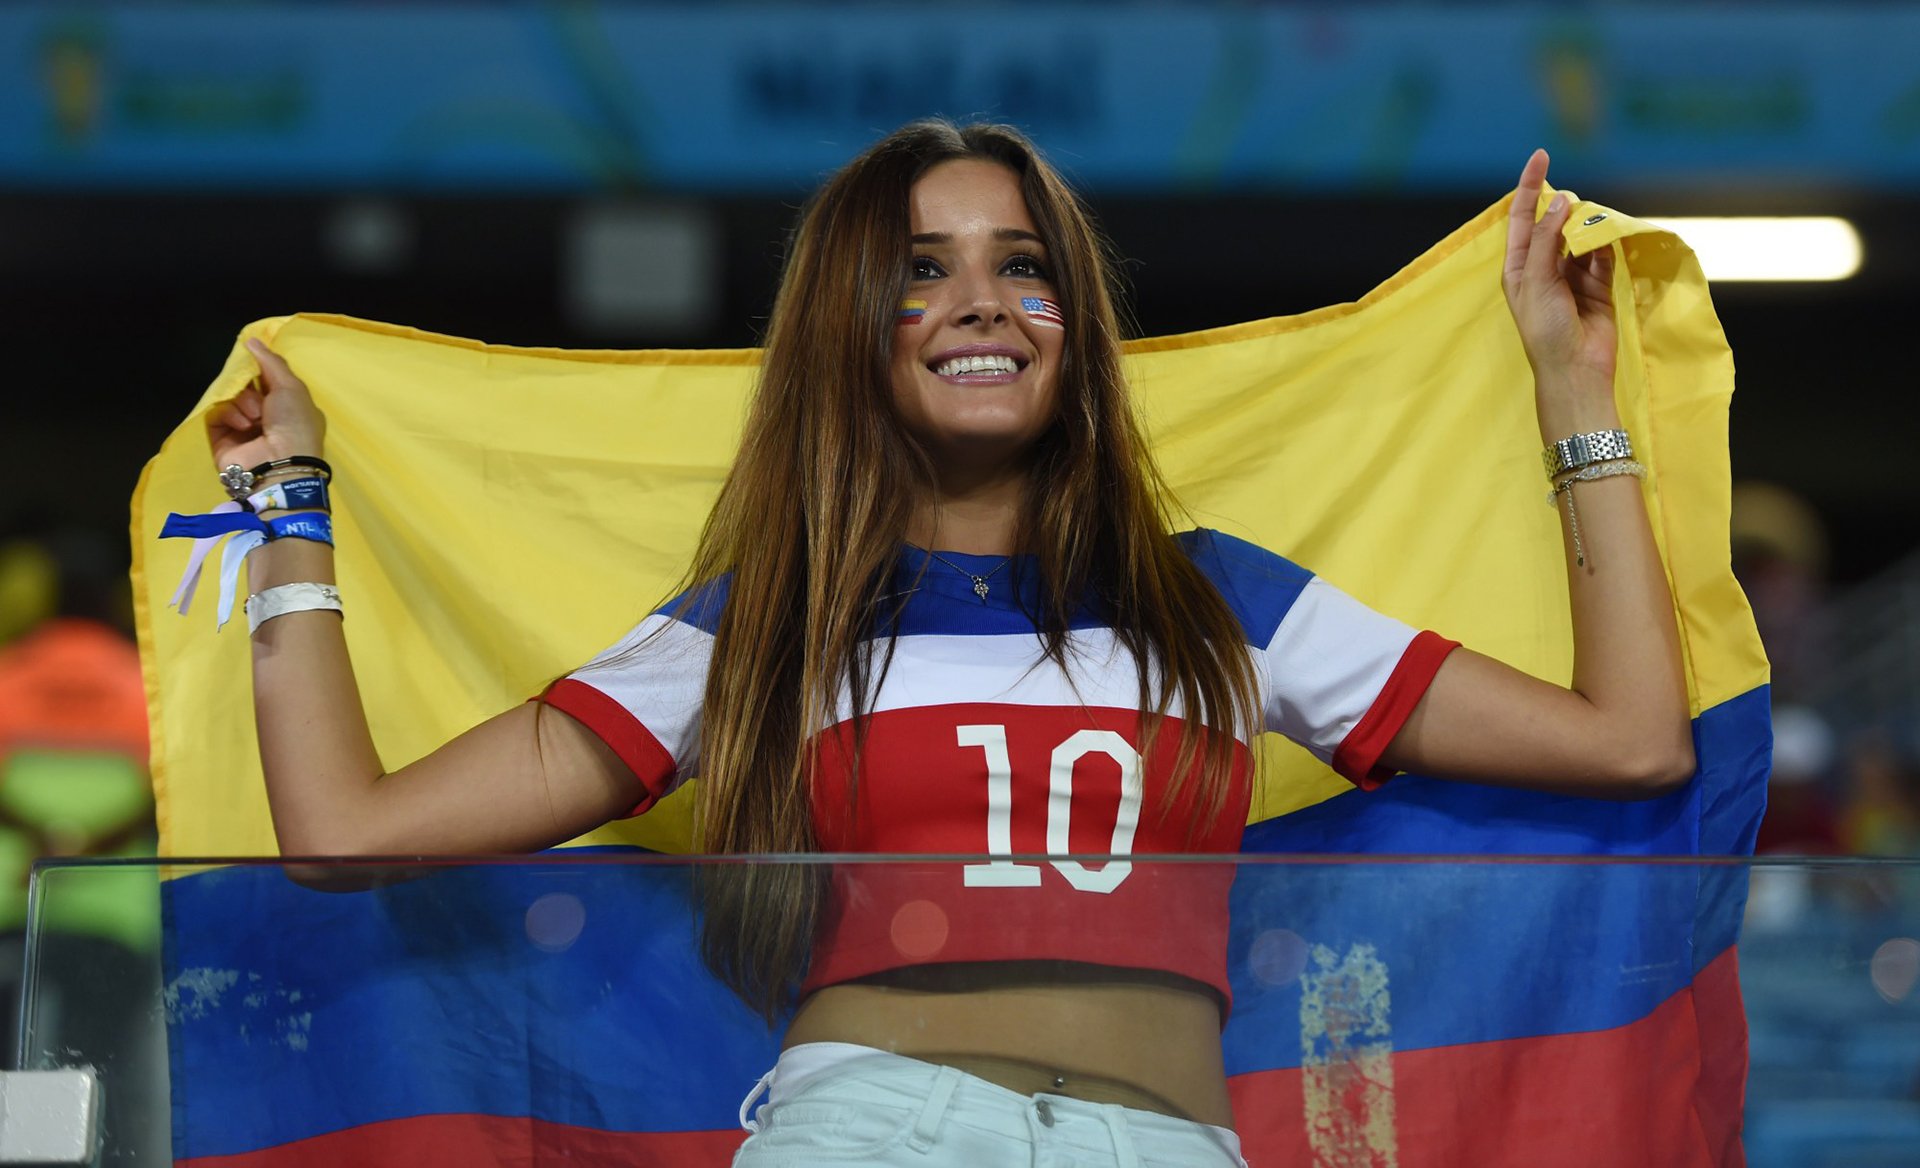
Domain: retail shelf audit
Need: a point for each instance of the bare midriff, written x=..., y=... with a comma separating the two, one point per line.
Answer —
x=1132, y=1037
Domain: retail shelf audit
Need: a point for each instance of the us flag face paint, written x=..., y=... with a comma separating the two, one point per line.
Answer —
x=1043, y=312
x=911, y=311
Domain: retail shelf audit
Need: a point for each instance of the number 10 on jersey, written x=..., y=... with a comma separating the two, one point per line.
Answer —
x=1002, y=871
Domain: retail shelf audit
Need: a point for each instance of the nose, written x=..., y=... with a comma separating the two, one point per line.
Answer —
x=980, y=302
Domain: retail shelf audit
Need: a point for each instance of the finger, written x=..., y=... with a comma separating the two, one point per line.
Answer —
x=227, y=416
x=1544, y=248
x=1596, y=269
x=1603, y=260
x=1591, y=275
x=1520, y=213
x=273, y=367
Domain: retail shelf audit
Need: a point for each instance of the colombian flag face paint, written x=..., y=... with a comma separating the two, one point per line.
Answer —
x=911, y=311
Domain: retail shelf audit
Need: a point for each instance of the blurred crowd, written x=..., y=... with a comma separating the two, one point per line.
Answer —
x=1845, y=686
x=73, y=743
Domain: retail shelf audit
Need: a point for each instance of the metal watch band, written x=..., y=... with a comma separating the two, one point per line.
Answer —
x=1581, y=450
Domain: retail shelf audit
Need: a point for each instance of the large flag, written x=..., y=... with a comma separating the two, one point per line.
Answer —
x=504, y=513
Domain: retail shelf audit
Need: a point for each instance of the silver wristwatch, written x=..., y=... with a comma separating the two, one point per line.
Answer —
x=1581, y=450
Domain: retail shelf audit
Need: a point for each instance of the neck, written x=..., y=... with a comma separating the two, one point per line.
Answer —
x=981, y=520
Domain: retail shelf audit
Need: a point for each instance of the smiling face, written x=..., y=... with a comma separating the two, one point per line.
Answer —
x=976, y=351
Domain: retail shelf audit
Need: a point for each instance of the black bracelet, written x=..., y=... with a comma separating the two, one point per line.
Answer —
x=239, y=481
x=299, y=460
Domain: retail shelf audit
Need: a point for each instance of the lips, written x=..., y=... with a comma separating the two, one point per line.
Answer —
x=979, y=364
x=959, y=366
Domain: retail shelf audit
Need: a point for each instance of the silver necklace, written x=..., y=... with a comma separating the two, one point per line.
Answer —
x=979, y=582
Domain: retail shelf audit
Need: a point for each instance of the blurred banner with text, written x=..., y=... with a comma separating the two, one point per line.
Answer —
x=731, y=97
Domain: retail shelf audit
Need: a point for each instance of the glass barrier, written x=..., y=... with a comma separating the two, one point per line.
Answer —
x=592, y=1007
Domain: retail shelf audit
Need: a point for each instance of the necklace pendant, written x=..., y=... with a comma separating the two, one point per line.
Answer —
x=980, y=587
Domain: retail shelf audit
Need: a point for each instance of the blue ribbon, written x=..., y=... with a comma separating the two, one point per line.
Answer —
x=211, y=526
x=249, y=531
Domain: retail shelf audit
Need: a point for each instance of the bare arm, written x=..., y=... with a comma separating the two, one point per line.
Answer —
x=1623, y=730
x=526, y=779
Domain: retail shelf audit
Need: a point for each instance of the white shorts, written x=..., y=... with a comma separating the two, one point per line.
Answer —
x=834, y=1103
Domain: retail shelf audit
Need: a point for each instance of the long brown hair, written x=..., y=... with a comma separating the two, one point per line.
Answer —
x=811, y=519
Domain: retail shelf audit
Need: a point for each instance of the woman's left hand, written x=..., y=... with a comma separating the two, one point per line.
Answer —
x=1563, y=304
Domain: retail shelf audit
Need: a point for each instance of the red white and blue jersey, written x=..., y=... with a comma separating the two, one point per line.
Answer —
x=977, y=743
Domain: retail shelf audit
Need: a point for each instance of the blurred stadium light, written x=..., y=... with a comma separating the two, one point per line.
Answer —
x=641, y=268
x=1772, y=248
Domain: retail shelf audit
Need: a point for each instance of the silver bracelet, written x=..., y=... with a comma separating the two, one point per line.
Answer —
x=264, y=605
x=1586, y=474
x=1582, y=450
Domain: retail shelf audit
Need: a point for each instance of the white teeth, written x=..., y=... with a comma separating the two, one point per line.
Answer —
x=956, y=366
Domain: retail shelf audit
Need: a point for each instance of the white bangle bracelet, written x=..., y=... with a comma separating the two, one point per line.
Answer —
x=264, y=606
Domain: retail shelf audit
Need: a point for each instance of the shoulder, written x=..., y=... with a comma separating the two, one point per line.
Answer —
x=701, y=605
x=1258, y=585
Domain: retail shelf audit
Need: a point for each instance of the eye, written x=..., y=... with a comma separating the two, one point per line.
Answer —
x=1025, y=267
x=924, y=268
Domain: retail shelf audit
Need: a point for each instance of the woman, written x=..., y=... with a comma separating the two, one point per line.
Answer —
x=943, y=519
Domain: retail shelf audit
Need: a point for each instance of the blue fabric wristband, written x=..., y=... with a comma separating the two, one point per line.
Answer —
x=248, y=531
x=309, y=494
x=314, y=525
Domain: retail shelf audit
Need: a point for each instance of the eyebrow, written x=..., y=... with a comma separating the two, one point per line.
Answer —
x=1000, y=235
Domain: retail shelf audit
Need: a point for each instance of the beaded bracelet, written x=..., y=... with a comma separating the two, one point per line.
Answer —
x=1587, y=474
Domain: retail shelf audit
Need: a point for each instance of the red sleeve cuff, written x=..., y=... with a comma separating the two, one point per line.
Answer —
x=649, y=761
x=1358, y=757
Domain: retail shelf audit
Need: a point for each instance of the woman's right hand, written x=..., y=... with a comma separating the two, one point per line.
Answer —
x=274, y=417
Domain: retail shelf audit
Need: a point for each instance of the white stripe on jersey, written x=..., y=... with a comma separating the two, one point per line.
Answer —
x=661, y=683
x=932, y=669
x=1328, y=661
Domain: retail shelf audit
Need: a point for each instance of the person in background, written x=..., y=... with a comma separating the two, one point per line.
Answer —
x=73, y=778
x=1881, y=815
x=1780, y=558
x=1800, y=818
